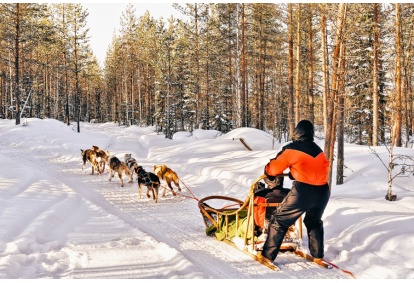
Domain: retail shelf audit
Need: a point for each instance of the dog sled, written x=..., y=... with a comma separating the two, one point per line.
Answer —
x=241, y=223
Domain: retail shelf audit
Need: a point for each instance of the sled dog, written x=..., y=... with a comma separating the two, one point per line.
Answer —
x=169, y=176
x=101, y=158
x=151, y=181
x=132, y=164
x=89, y=155
x=116, y=165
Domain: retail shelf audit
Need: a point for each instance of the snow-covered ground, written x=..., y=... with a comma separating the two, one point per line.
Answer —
x=59, y=221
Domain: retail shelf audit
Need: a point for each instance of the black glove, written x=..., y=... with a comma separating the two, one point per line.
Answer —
x=259, y=187
x=270, y=184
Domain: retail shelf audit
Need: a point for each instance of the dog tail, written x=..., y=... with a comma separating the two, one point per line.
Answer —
x=83, y=155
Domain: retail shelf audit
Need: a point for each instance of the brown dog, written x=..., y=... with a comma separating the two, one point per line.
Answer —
x=168, y=175
x=101, y=158
x=90, y=155
x=116, y=165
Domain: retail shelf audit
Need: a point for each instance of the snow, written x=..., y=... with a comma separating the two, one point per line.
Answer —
x=58, y=221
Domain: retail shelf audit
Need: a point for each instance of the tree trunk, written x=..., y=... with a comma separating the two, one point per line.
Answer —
x=243, y=72
x=398, y=94
x=324, y=70
x=291, y=117
x=261, y=75
x=297, y=93
x=375, y=95
x=332, y=99
x=231, y=79
x=2, y=93
x=311, y=115
x=77, y=87
x=198, y=91
x=341, y=120
x=16, y=63
x=67, y=117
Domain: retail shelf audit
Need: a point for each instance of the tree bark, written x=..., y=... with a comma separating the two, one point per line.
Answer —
x=16, y=63
x=375, y=95
x=243, y=71
x=340, y=119
x=310, y=67
x=398, y=94
x=291, y=117
x=333, y=94
x=298, y=73
x=324, y=70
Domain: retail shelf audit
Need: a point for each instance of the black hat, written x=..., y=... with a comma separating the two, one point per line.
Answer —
x=303, y=131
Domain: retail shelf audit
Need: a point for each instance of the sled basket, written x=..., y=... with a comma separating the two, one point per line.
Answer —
x=240, y=223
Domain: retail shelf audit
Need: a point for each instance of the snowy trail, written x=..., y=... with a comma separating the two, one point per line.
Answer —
x=118, y=222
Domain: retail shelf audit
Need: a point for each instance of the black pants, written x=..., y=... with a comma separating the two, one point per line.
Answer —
x=302, y=198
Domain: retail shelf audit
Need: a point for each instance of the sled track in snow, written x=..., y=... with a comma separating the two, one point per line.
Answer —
x=173, y=220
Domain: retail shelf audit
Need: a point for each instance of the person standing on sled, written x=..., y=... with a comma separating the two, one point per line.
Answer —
x=309, y=194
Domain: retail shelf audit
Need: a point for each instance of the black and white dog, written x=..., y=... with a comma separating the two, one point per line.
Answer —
x=150, y=180
x=131, y=163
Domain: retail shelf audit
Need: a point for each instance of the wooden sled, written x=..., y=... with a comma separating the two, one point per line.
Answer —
x=235, y=221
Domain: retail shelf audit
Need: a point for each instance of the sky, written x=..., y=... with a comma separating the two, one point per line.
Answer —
x=104, y=20
x=58, y=221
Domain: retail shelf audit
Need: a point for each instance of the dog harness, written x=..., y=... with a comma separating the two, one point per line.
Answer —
x=130, y=161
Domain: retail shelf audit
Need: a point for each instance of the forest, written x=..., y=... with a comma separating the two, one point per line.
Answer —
x=347, y=67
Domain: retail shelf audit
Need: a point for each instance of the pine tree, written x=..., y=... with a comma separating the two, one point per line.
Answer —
x=330, y=134
x=396, y=132
x=23, y=33
x=78, y=43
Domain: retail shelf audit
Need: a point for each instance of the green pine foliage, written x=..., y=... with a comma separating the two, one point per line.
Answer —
x=221, y=66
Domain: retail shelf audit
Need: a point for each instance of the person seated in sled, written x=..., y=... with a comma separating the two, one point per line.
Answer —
x=274, y=189
x=273, y=192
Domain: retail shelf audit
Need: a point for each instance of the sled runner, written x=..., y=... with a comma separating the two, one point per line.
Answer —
x=241, y=223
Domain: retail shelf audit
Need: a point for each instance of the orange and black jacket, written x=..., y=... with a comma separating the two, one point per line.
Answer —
x=306, y=161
